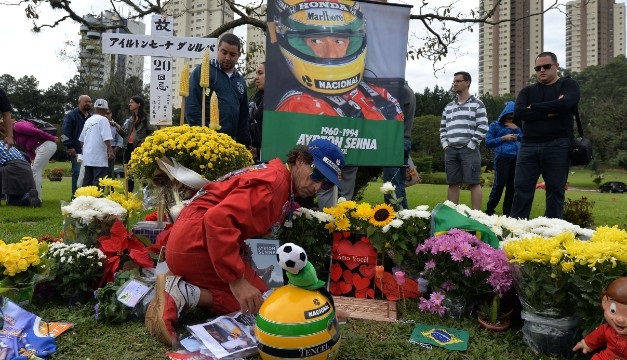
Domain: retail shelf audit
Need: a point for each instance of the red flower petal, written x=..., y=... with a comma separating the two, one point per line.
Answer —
x=110, y=245
x=142, y=258
x=111, y=266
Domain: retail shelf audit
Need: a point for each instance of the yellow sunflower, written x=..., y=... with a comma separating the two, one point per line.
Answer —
x=382, y=215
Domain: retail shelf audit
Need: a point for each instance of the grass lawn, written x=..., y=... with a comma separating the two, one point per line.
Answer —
x=361, y=339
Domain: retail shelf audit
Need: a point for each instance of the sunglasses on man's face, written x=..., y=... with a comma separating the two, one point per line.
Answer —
x=317, y=176
x=545, y=67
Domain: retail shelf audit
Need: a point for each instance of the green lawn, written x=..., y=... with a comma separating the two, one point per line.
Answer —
x=361, y=339
x=580, y=182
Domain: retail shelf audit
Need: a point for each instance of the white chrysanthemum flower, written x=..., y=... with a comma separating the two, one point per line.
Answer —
x=88, y=208
x=323, y=217
x=386, y=228
x=396, y=223
x=387, y=188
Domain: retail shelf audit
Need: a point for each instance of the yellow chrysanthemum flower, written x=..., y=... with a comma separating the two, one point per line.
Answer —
x=342, y=224
x=209, y=153
x=363, y=211
x=111, y=183
x=88, y=191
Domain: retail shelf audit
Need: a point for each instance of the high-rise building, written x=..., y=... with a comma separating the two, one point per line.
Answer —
x=595, y=32
x=194, y=18
x=96, y=68
x=507, y=50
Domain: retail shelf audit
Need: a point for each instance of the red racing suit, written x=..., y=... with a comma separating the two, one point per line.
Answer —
x=615, y=345
x=366, y=101
x=206, y=242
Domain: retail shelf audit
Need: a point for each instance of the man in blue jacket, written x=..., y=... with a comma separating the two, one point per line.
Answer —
x=504, y=136
x=71, y=129
x=230, y=87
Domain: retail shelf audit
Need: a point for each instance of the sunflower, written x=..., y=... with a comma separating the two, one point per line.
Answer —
x=382, y=215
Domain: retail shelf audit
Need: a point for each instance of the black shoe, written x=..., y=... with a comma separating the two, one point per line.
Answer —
x=33, y=198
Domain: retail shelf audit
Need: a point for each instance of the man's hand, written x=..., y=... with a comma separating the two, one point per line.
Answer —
x=248, y=296
x=71, y=152
x=9, y=141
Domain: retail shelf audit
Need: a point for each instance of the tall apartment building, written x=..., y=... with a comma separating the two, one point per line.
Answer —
x=97, y=68
x=194, y=18
x=255, y=44
x=595, y=32
x=507, y=50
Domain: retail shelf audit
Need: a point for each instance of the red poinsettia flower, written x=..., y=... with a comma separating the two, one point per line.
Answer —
x=119, y=245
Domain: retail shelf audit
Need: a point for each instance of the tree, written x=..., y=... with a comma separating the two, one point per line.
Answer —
x=436, y=19
x=7, y=83
x=26, y=98
x=433, y=102
x=117, y=91
x=603, y=109
x=55, y=101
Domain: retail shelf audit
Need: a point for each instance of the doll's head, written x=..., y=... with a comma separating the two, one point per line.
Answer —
x=614, y=304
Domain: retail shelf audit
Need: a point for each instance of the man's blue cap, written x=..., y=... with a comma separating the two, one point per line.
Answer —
x=328, y=158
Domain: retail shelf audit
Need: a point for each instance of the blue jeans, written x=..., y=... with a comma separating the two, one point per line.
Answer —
x=397, y=177
x=504, y=172
x=76, y=170
x=549, y=159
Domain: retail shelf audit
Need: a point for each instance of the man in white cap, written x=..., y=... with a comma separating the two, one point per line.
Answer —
x=96, y=143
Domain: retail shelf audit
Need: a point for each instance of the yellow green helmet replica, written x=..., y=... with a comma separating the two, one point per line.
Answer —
x=296, y=323
x=299, y=20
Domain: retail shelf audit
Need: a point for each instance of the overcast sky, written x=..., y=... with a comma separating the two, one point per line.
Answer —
x=26, y=53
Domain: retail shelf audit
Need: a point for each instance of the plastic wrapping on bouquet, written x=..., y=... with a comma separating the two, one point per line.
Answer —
x=74, y=231
x=458, y=307
x=551, y=336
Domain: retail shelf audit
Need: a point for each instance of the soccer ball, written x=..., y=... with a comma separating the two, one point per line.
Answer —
x=291, y=257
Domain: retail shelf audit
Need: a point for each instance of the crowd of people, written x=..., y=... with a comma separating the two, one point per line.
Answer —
x=91, y=139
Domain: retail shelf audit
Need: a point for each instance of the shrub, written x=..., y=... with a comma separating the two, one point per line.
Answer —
x=424, y=164
x=579, y=212
x=432, y=178
x=55, y=172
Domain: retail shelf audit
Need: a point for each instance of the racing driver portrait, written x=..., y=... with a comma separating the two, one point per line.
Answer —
x=324, y=45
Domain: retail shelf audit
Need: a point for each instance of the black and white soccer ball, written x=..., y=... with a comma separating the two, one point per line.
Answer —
x=291, y=257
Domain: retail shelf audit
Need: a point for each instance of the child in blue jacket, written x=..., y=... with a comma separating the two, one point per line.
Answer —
x=504, y=136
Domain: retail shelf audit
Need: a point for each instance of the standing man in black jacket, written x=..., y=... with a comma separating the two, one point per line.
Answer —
x=71, y=129
x=546, y=110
